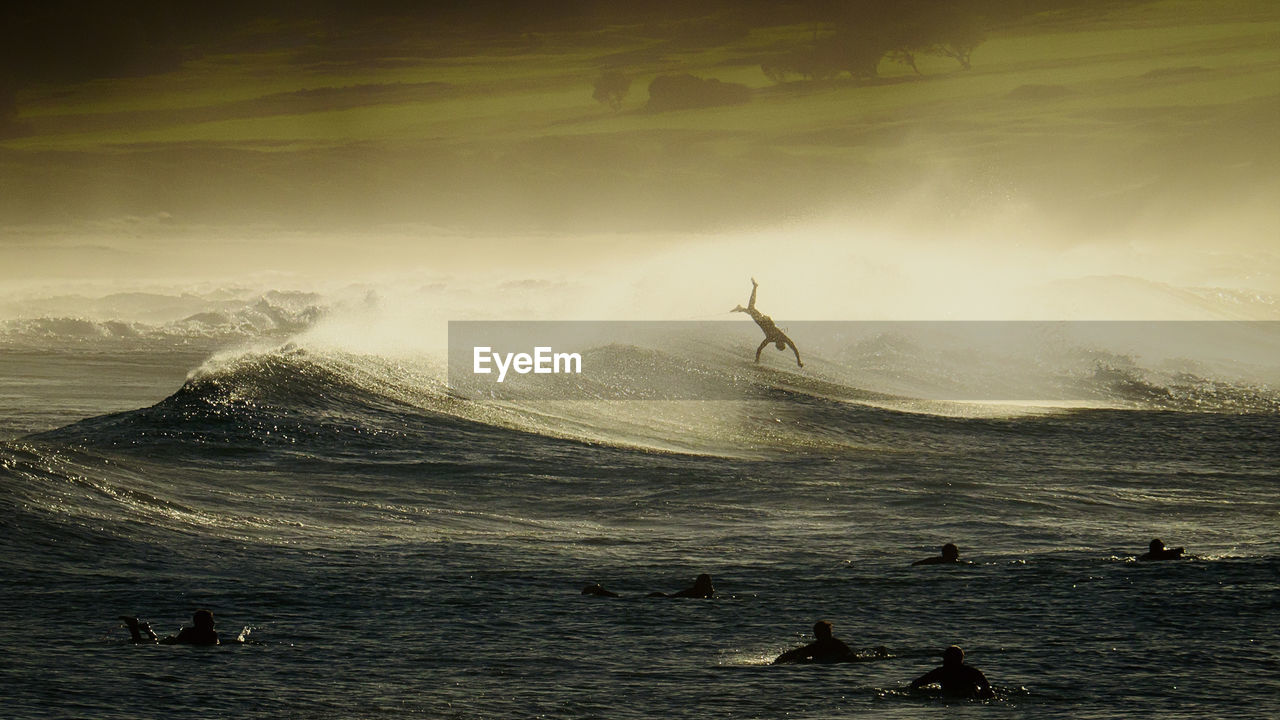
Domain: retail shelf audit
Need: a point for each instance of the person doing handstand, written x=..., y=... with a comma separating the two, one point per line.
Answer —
x=771, y=332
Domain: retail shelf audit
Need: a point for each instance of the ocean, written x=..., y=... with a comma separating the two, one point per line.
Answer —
x=391, y=549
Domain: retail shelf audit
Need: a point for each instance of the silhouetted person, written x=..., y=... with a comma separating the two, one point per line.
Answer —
x=200, y=632
x=950, y=554
x=956, y=678
x=826, y=649
x=598, y=590
x=771, y=332
x=1157, y=551
x=701, y=588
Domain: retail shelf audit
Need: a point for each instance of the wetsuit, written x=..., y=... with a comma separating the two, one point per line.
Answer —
x=960, y=681
x=826, y=650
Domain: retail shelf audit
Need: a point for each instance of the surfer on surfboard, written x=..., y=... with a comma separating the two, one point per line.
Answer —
x=701, y=588
x=200, y=632
x=825, y=649
x=771, y=332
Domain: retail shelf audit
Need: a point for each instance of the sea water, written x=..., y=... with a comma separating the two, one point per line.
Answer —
x=394, y=551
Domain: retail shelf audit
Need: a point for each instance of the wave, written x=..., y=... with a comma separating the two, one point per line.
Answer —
x=1133, y=386
x=66, y=500
x=144, y=316
x=295, y=400
x=293, y=445
x=875, y=394
x=72, y=502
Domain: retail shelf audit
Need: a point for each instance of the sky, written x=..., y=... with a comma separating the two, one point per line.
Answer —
x=1109, y=155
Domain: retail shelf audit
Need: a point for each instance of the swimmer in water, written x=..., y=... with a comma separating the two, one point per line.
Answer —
x=826, y=649
x=200, y=632
x=701, y=588
x=956, y=678
x=1157, y=551
x=950, y=555
x=771, y=332
x=598, y=590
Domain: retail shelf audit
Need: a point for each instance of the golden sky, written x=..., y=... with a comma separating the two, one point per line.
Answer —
x=1086, y=140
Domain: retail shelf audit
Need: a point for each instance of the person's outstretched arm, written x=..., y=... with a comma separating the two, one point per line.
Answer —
x=799, y=654
x=759, y=349
x=141, y=632
x=984, y=687
x=930, y=677
x=795, y=350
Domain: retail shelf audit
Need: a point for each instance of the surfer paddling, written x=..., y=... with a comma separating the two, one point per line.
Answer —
x=701, y=588
x=1157, y=551
x=950, y=556
x=825, y=649
x=956, y=678
x=771, y=332
x=200, y=632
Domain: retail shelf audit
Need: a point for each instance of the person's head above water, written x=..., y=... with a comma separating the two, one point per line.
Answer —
x=950, y=552
x=822, y=629
x=955, y=677
x=202, y=619
x=703, y=583
x=1157, y=545
x=952, y=656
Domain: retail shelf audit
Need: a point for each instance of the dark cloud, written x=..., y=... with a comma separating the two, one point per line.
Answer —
x=75, y=40
x=566, y=168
